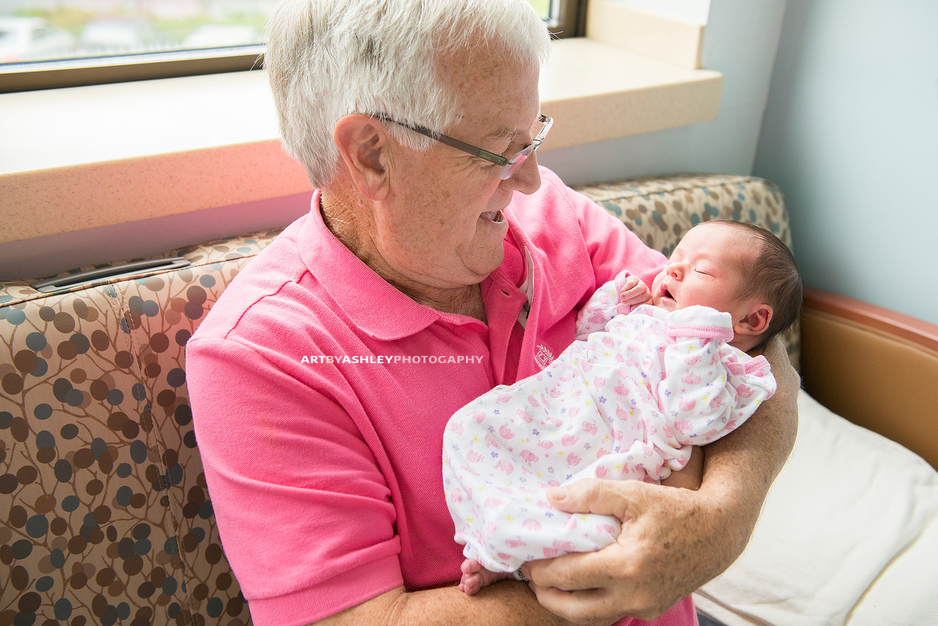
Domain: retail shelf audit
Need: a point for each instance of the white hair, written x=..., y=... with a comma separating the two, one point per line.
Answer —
x=329, y=58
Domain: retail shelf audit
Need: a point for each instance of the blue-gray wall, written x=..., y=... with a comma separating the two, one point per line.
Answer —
x=851, y=136
x=740, y=41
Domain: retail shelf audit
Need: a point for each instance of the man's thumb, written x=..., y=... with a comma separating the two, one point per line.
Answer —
x=603, y=497
x=583, y=496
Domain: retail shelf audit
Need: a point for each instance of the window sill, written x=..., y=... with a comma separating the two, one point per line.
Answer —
x=96, y=156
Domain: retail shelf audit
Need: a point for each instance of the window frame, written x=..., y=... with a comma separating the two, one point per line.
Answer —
x=36, y=75
x=569, y=20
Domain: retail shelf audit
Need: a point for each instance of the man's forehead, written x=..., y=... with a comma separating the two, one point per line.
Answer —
x=495, y=93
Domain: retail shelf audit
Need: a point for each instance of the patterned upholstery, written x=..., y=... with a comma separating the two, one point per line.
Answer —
x=104, y=514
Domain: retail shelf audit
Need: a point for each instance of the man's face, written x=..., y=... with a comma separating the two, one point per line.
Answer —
x=442, y=224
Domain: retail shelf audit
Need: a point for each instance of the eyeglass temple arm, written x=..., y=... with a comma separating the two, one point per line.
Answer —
x=455, y=143
x=497, y=159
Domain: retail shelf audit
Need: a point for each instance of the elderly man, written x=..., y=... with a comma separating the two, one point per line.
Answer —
x=437, y=261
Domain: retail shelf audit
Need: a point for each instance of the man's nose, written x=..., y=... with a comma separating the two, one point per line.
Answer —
x=527, y=178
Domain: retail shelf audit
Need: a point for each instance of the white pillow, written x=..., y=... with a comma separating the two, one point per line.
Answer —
x=848, y=534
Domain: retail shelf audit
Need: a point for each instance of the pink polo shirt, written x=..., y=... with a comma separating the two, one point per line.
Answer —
x=320, y=395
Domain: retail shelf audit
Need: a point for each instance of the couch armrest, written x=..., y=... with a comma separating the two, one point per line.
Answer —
x=873, y=366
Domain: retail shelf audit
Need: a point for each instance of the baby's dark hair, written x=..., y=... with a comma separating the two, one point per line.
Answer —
x=773, y=276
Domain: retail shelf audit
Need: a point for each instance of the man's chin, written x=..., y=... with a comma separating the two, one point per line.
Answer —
x=482, y=265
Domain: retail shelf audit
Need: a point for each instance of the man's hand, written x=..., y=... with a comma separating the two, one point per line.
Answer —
x=657, y=560
x=672, y=540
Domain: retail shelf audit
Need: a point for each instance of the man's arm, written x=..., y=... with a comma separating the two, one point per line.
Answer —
x=673, y=540
x=506, y=602
x=691, y=475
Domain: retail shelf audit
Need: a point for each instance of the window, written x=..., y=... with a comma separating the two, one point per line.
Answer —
x=565, y=18
x=62, y=43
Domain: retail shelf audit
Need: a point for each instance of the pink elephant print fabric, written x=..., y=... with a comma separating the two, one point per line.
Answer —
x=626, y=403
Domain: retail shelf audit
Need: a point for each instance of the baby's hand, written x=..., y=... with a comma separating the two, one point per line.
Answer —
x=633, y=292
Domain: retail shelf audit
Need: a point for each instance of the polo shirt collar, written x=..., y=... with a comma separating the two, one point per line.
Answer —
x=371, y=303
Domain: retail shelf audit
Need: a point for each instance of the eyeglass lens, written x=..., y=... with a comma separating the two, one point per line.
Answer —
x=516, y=161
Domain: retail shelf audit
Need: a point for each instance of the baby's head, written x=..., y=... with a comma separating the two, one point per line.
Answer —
x=737, y=268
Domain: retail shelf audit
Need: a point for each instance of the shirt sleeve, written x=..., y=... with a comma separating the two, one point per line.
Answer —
x=305, y=539
x=612, y=246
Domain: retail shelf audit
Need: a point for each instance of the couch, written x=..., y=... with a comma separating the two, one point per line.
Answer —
x=105, y=517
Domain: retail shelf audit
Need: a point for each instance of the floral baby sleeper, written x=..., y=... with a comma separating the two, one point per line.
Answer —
x=626, y=403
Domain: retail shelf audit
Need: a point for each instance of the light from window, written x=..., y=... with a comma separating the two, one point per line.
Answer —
x=43, y=30
x=48, y=44
x=543, y=8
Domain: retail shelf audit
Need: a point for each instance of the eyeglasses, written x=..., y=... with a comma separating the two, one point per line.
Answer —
x=510, y=165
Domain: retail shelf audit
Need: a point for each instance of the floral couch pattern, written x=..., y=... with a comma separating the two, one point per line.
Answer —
x=104, y=514
x=107, y=516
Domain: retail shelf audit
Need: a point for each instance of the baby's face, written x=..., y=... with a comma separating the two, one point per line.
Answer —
x=704, y=270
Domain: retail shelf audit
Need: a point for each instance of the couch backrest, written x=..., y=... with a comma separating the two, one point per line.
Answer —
x=105, y=509
x=104, y=513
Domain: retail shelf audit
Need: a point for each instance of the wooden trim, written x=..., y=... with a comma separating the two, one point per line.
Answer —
x=910, y=328
x=121, y=69
x=874, y=367
x=571, y=19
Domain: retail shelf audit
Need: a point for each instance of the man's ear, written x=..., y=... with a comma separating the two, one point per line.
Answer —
x=363, y=145
x=756, y=322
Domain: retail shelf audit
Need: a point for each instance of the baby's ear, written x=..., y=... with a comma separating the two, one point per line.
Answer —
x=756, y=322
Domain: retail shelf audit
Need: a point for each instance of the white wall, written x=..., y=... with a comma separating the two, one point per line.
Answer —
x=52, y=254
x=851, y=137
x=740, y=41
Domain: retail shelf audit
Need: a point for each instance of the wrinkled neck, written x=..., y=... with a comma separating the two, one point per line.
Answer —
x=350, y=225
